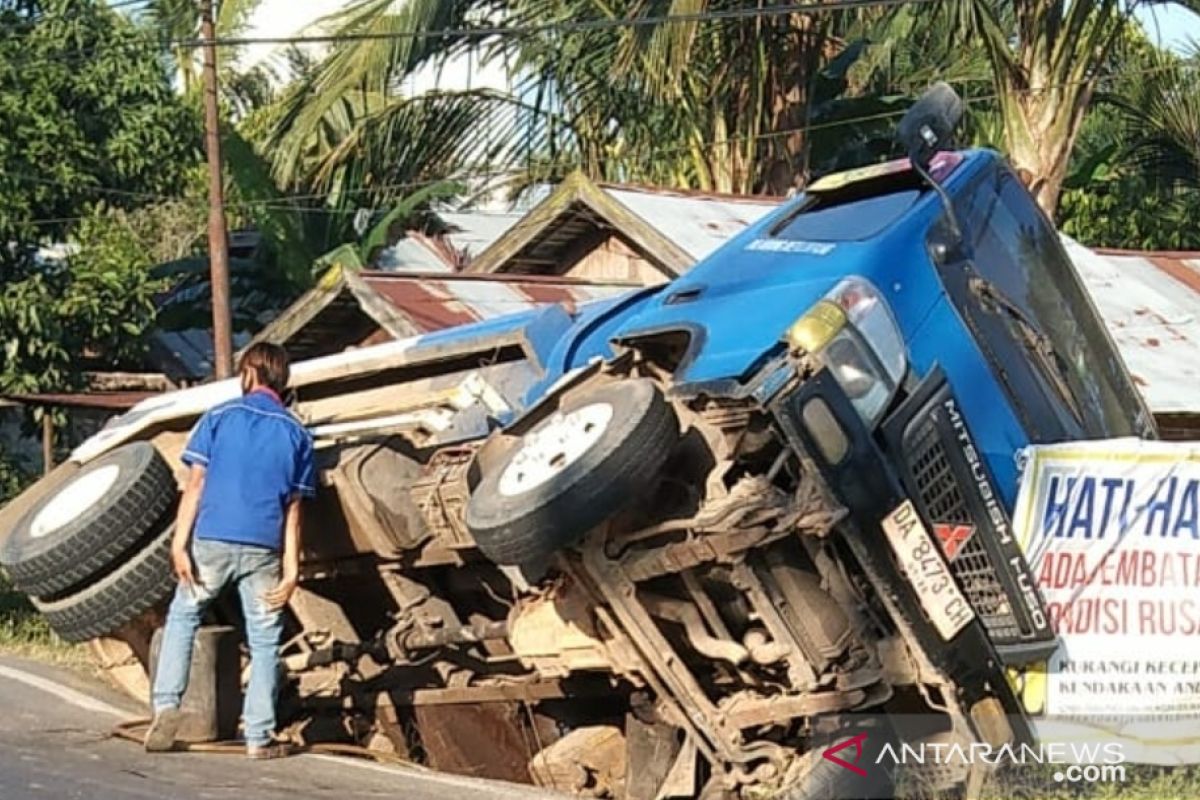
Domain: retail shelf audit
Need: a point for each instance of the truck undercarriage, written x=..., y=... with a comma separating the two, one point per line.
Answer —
x=643, y=585
x=711, y=638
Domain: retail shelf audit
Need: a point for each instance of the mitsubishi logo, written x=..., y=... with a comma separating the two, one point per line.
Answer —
x=952, y=537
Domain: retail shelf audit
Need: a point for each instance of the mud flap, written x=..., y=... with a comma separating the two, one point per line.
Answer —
x=486, y=740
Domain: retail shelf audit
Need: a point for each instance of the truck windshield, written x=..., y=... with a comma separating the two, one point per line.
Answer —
x=1018, y=255
x=858, y=210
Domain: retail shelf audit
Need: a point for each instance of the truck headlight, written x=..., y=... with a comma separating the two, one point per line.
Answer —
x=853, y=333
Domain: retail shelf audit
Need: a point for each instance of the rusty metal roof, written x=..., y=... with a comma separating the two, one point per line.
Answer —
x=348, y=308
x=111, y=401
x=433, y=302
x=1151, y=304
x=670, y=229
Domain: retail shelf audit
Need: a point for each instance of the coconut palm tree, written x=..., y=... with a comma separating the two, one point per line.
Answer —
x=178, y=22
x=1135, y=174
x=720, y=104
x=352, y=129
x=1160, y=107
x=1047, y=58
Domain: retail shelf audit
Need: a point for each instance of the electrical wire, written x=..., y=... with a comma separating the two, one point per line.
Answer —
x=485, y=32
x=294, y=202
x=494, y=31
x=23, y=25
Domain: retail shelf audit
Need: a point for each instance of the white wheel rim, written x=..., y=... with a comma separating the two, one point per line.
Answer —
x=553, y=446
x=75, y=498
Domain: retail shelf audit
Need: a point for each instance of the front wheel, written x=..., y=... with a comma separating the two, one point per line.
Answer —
x=572, y=471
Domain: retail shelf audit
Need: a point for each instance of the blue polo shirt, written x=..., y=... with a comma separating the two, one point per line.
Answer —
x=257, y=458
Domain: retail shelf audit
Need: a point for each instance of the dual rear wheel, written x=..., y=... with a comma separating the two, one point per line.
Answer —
x=94, y=553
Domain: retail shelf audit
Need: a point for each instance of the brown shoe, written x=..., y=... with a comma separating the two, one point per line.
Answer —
x=160, y=736
x=261, y=752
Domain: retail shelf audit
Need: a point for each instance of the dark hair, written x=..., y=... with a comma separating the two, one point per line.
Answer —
x=268, y=363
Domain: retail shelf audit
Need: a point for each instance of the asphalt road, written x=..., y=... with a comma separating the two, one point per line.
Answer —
x=55, y=744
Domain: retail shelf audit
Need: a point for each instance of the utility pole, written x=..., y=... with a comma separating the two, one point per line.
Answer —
x=218, y=241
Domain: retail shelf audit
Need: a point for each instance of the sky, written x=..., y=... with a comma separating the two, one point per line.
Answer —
x=1171, y=26
x=290, y=18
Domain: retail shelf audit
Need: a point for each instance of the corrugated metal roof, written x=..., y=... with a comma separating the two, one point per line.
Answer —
x=187, y=354
x=433, y=302
x=469, y=234
x=116, y=401
x=473, y=231
x=411, y=254
x=1152, y=309
x=697, y=223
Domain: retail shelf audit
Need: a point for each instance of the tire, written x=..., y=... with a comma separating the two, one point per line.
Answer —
x=823, y=779
x=121, y=596
x=597, y=452
x=126, y=494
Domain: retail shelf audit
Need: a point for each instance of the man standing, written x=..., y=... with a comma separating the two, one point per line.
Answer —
x=250, y=464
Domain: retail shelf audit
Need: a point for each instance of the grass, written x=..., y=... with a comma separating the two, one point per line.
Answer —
x=24, y=633
x=1037, y=783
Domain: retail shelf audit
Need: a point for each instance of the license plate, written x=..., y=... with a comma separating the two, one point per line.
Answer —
x=926, y=571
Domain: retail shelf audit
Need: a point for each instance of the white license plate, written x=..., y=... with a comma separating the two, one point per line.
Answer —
x=926, y=571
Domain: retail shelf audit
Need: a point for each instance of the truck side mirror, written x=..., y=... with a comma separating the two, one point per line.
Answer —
x=928, y=126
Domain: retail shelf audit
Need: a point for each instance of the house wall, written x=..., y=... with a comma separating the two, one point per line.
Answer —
x=614, y=260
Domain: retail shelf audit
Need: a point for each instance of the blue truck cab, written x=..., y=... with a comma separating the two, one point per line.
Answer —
x=959, y=348
x=882, y=346
x=1003, y=316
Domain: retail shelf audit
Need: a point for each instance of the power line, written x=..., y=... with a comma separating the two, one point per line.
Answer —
x=293, y=202
x=484, y=32
x=23, y=25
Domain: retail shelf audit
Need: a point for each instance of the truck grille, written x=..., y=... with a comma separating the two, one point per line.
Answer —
x=944, y=503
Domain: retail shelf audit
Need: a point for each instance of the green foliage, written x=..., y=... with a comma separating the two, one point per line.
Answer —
x=24, y=632
x=175, y=21
x=279, y=223
x=92, y=308
x=1130, y=213
x=12, y=479
x=88, y=113
x=1134, y=180
x=347, y=129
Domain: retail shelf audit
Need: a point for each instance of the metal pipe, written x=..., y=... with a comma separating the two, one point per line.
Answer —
x=688, y=616
x=762, y=649
x=465, y=634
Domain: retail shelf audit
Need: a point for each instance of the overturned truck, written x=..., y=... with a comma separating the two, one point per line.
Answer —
x=685, y=542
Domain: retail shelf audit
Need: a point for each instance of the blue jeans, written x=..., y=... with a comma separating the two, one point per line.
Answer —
x=254, y=570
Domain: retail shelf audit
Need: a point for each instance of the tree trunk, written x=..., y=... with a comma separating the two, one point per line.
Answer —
x=1040, y=128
